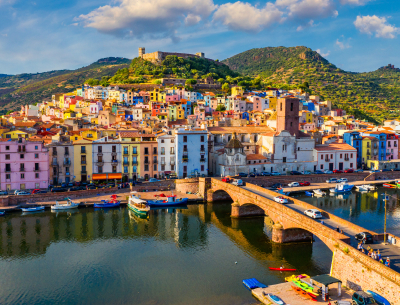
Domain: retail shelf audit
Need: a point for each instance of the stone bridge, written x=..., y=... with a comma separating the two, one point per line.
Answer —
x=355, y=269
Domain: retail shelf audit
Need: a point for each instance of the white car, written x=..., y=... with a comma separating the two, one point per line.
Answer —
x=327, y=171
x=307, y=173
x=293, y=184
x=275, y=174
x=238, y=182
x=343, y=180
x=313, y=213
x=280, y=199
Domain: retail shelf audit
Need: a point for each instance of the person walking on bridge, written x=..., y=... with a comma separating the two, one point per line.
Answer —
x=387, y=263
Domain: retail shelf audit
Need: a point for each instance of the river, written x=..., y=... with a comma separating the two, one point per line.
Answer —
x=197, y=255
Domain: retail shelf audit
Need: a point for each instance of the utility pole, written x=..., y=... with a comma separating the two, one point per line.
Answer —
x=384, y=232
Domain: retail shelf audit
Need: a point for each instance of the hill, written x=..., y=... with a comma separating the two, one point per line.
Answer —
x=27, y=88
x=373, y=96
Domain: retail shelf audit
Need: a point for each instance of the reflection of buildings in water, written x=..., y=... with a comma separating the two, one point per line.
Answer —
x=268, y=223
x=337, y=201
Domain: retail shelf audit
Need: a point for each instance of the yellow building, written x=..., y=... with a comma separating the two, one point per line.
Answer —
x=237, y=91
x=83, y=160
x=370, y=150
x=272, y=102
x=130, y=155
x=15, y=134
x=90, y=134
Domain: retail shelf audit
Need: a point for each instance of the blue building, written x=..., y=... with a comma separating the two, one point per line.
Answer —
x=245, y=116
x=354, y=138
x=382, y=142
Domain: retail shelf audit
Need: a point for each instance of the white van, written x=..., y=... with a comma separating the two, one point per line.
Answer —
x=238, y=182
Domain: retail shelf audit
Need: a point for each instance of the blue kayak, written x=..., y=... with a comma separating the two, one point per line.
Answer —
x=275, y=299
x=107, y=204
x=310, y=194
x=378, y=298
x=253, y=283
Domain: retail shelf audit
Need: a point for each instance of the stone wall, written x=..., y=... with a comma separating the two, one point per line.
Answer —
x=246, y=210
x=163, y=185
x=360, y=272
x=187, y=185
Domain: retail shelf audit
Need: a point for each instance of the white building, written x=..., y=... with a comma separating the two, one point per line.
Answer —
x=191, y=152
x=106, y=157
x=166, y=150
x=334, y=156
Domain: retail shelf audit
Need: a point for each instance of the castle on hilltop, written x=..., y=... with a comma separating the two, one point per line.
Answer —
x=158, y=57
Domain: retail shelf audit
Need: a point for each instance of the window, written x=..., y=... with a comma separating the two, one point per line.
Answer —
x=8, y=167
x=281, y=106
x=291, y=106
x=114, y=169
x=146, y=150
x=184, y=139
x=351, y=165
x=21, y=156
x=54, y=150
x=100, y=149
x=322, y=166
x=125, y=169
x=36, y=166
x=322, y=157
x=146, y=167
x=341, y=155
x=126, y=151
x=284, y=159
x=22, y=167
x=351, y=155
x=7, y=157
x=162, y=141
x=36, y=147
x=22, y=176
x=185, y=148
x=202, y=168
x=134, y=150
x=36, y=175
x=291, y=124
x=83, y=149
x=8, y=176
x=155, y=150
x=7, y=147
x=114, y=148
x=331, y=156
x=202, y=139
x=184, y=168
x=67, y=170
x=155, y=167
x=100, y=169
x=172, y=140
x=36, y=156
x=66, y=150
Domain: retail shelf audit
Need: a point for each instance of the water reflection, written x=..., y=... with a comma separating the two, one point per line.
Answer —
x=176, y=256
x=366, y=209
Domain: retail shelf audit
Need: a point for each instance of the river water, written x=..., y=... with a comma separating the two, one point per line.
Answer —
x=197, y=255
x=366, y=209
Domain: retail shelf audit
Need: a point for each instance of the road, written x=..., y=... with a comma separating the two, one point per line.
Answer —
x=386, y=250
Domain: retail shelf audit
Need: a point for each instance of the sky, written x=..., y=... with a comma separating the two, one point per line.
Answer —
x=43, y=35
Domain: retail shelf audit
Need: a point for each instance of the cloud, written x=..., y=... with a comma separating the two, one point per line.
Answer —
x=323, y=54
x=343, y=44
x=154, y=18
x=307, y=25
x=309, y=9
x=240, y=16
x=354, y=2
x=375, y=25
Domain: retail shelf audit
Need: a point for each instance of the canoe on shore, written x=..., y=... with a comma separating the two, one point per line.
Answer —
x=281, y=269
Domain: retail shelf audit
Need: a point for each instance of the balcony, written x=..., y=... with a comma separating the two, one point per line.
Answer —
x=67, y=162
x=54, y=163
x=126, y=162
x=114, y=161
x=100, y=163
x=83, y=172
x=162, y=153
x=172, y=162
x=37, y=169
x=172, y=153
x=126, y=153
x=203, y=150
x=134, y=152
x=327, y=160
x=22, y=169
x=346, y=159
x=54, y=152
x=155, y=161
x=67, y=174
x=146, y=153
x=23, y=150
x=83, y=161
x=66, y=153
x=185, y=159
x=8, y=170
x=135, y=162
x=114, y=154
x=83, y=152
x=155, y=152
x=146, y=162
x=202, y=160
x=100, y=154
x=162, y=162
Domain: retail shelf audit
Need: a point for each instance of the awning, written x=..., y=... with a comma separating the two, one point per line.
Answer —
x=325, y=279
x=115, y=176
x=99, y=176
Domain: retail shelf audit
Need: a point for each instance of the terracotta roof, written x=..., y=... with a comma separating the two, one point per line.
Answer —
x=334, y=146
x=25, y=124
x=242, y=129
x=255, y=157
x=234, y=143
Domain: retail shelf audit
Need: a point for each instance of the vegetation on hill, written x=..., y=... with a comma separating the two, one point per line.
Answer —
x=32, y=88
x=373, y=96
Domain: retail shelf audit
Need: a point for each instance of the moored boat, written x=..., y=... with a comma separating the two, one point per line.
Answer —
x=169, y=201
x=137, y=205
x=110, y=203
x=362, y=188
x=275, y=299
x=342, y=188
x=310, y=194
x=318, y=192
x=281, y=269
x=2, y=213
x=390, y=186
x=69, y=205
x=33, y=209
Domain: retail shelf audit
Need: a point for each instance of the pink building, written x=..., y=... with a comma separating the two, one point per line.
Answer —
x=392, y=146
x=23, y=165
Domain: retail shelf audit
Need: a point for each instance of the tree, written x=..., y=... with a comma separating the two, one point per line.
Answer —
x=220, y=107
x=225, y=87
x=191, y=82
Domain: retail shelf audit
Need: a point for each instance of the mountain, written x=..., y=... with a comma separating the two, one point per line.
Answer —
x=374, y=96
x=29, y=88
x=4, y=75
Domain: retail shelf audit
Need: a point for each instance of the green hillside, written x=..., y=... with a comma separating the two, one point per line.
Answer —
x=373, y=96
x=27, y=88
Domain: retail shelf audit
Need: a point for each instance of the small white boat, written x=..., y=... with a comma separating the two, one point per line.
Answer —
x=67, y=206
x=342, y=188
x=275, y=299
x=318, y=192
x=33, y=209
x=370, y=187
x=362, y=188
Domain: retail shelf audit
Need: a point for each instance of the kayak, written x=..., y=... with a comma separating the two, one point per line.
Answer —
x=275, y=299
x=281, y=269
x=388, y=185
x=378, y=298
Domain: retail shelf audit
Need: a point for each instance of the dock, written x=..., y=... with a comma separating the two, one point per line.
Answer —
x=289, y=296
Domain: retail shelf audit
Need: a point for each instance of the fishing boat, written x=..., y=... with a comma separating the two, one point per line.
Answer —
x=137, y=205
x=378, y=298
x=168, y=201
x=342, y=188
x=69, y=205
x=274, y=299
x=281, y=269
x=33, y=209
x=110, y=203
x=362, y=188
x=310, y=194
x=318, y=192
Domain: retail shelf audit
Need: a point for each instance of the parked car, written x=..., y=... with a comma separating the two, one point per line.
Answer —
x=276, y=186
x=74, y=188
x=226, y=179
x=307, y=173
x=41, y=192
x=349, y=171
x=395, y=169
x=374, y=171
x=338, y=171
x=64, y=184
x=242, y=175
x=343, y=180
x=280, y=199
x=305, y=183
x=238, y=182
x=153, y=180
x=293, y=184
x=2, y=193
x=327, y=171
x=265, y=174
x=363, y=298
x=332, y=180
x=91, y=187
x=366, y=237
x=313, y=213
x=252, y=175
x=359, y=171
x=35, y=191
x=296, y=173
x=318, y=172
x=386, y=170
x=23, y=193
x=58, y=189
x=275, y=174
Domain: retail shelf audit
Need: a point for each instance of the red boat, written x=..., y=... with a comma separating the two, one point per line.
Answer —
x=281, y=269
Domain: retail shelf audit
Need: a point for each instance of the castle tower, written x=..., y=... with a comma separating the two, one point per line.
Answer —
x=142, y=51
x=287, y=112
x=200, y=54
